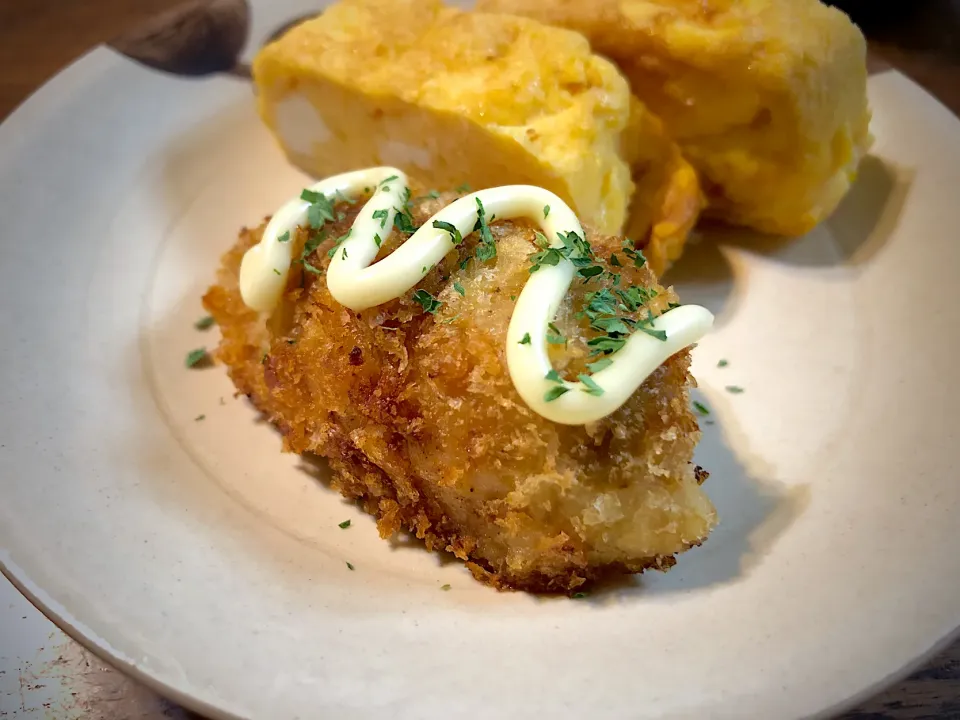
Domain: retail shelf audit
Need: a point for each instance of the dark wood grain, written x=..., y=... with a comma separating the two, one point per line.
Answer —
x=919, y=37
x=39, y=37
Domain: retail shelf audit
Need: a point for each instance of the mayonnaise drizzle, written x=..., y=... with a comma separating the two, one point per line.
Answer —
x=358, y=284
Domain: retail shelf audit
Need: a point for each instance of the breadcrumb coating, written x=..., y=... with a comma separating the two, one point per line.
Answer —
x=420, y=422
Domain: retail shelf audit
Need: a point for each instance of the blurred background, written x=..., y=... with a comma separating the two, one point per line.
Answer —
x=38, y=37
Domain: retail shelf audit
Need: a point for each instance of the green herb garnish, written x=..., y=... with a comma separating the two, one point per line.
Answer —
x=198, y=418
x=312, y=244
x=197, y=357
x=701, y=408
x=550, y=256
x=427, y=301
x=445, y=587
x=311, y=268
x=320, y=210
x=722, y=363
x=276, y=272
x=590, y=271
x=605, y=345
x=284, y=238
x=525, y=340
x=382, y=216
x=486, y=249
x=579, y=595
x=553, y=376
x=350, y=566
x=578, y=250
x=336, y=243
x=601, y=302
x=735, y=389
x=636, y=255
x=344, y=525
x=615, y=261
x=403, y=221
x=575, y=249
x=555, y=392
x=389, y=179
x=599, y=365
x=459, y=288
x=462, y=188
x=204, y=323
x=546, y=211
x=591, y=387
x=633, y=297
x=610, y=325
x=455, y=237
x=658, y=334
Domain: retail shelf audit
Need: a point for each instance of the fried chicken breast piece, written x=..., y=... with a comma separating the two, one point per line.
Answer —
x=767, y=98
x=420, y=422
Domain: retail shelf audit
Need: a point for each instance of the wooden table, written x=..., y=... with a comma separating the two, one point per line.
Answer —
x=919, y=37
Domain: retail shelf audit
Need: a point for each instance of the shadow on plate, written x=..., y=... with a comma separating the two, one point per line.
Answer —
x=858, y=229
x=753, y=512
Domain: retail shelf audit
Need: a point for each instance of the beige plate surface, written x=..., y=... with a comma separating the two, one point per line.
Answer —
x=196, y=556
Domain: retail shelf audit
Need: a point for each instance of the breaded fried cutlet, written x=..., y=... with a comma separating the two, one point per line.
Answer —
x=767, y=98
x=418, y=418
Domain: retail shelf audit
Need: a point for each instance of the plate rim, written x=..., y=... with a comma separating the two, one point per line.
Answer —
x=94, y=644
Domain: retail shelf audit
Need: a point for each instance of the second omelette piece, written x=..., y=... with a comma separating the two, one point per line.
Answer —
x=766, y=97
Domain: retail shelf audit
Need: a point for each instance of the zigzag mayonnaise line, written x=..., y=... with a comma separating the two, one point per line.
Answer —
x=356, y=281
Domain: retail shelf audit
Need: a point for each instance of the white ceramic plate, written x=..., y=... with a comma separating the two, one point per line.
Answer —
x=194, y=555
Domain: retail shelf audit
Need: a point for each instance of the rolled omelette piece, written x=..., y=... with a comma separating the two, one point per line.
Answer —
x=413, y=407
x=451, y=98
x=767, y=98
